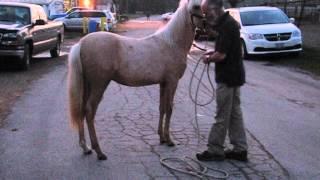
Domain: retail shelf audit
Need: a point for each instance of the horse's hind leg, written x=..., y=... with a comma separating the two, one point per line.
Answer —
x=82, y=139
x=169, y=96
x=95, y=95
x=162, y=112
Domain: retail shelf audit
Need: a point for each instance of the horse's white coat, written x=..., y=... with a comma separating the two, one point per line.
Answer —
x=157, y=59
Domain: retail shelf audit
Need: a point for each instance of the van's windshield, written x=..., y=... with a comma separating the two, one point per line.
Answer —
x=252, y=18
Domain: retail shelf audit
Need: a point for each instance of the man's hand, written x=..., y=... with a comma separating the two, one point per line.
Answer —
x=213, y=57
x=206, y=59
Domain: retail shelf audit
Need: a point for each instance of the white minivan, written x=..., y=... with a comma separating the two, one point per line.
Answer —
x=266, y=30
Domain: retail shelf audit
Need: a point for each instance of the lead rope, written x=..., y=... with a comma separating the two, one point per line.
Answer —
x=195, y=99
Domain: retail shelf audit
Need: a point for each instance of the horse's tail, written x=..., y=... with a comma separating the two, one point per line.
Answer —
x=75, y=87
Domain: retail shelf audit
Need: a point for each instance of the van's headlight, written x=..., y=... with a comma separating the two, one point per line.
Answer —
x=10, y=35
x=296, y=33
x=255, y=36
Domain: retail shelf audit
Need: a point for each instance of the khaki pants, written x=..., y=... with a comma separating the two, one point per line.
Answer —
x=228, y=119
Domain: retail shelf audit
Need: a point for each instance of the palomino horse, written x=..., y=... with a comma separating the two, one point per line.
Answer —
x=157, y=59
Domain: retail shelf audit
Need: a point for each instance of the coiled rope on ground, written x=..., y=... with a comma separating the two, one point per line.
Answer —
x=202, y=172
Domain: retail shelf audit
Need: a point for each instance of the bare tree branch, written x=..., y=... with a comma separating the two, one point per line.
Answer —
x=303, y=4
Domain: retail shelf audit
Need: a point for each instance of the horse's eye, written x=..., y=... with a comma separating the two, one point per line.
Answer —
x=196, y=7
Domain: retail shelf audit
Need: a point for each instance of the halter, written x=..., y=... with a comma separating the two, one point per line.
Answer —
x=199, y=17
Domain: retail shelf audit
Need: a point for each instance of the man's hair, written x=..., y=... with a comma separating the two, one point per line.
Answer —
x=218, y=3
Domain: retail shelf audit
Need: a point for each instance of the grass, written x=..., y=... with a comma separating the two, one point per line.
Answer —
x=308, y=60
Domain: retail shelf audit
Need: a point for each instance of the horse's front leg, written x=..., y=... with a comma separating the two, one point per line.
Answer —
x=169, y=93
x=162, y=112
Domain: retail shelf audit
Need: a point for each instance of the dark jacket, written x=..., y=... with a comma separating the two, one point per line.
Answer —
x=231, y=70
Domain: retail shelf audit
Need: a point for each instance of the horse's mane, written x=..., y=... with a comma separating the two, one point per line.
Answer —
x=175, y=23
x=182, y=2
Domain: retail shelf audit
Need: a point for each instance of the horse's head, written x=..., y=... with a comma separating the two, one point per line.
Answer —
x=194, y=9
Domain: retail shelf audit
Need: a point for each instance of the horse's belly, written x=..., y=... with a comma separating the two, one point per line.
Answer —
x=137, y=79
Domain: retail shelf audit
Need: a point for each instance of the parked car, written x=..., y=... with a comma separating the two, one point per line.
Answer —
x=77, y=8
x=74, y=21
x=26, y=31
x=267, y=30
x=55, y=16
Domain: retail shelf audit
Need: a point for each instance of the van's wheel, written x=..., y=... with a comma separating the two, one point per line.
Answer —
x=244, y=50
x=55, y=52
x=25, y=60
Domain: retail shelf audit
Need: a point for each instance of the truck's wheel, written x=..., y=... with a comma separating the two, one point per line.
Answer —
x=55, y=52
x=25, y=60
x=65, y=28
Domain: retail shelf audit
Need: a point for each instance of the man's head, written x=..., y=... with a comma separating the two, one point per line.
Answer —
x=213, y=9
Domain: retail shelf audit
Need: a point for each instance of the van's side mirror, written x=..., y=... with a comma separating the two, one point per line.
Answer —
x=40, y=22
x=292, y=20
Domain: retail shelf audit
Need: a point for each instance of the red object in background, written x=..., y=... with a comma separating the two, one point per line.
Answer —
x=87, y=3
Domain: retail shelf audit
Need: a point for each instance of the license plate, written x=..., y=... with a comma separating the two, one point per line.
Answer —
x=279, y=45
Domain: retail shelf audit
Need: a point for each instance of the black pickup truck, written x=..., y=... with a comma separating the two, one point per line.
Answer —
x=26, y=31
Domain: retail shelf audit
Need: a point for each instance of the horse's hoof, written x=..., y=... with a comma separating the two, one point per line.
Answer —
x=87, y=152
x=170, y=144
x=102, y=157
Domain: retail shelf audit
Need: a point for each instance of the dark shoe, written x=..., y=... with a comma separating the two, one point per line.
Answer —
x=207, y=156
x=240, y=156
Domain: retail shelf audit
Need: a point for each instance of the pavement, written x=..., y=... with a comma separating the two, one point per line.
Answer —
x=38, y=143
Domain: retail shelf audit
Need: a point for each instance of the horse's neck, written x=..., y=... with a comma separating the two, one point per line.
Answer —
x=179, y=31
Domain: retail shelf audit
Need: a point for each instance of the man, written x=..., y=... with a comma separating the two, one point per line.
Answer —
x=148, y=15
x=230, y=76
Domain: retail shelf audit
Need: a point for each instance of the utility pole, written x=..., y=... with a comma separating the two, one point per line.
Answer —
x=285, y=6
x=127, y=6
x=303, y=4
